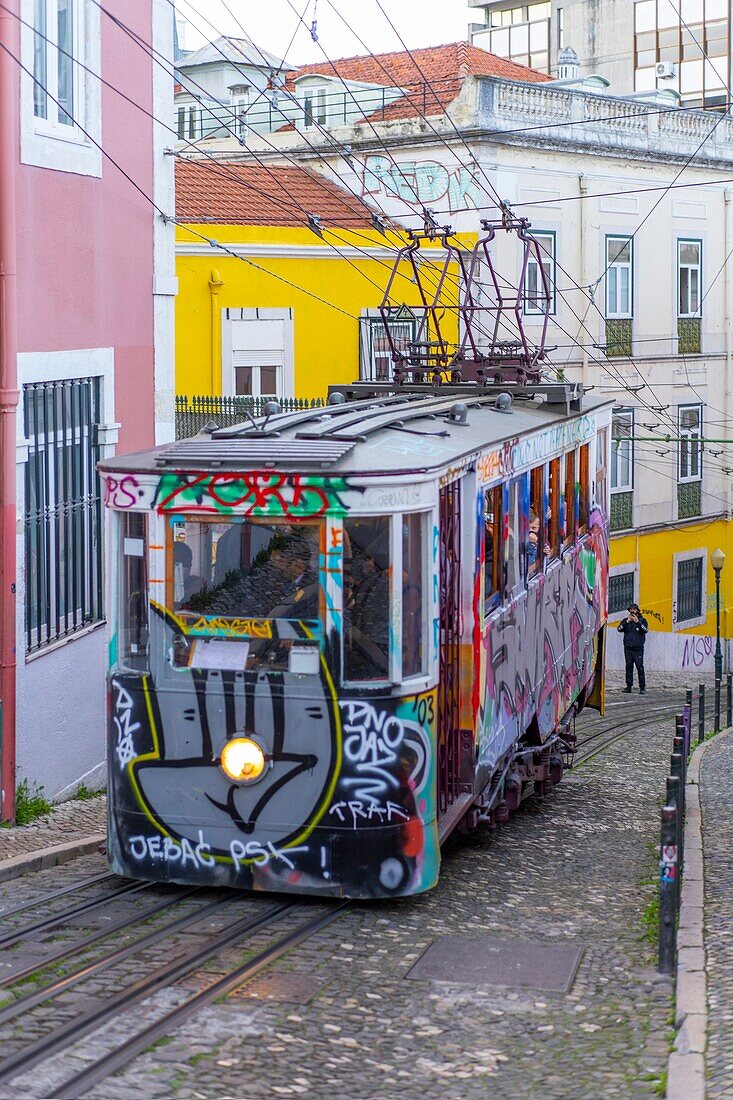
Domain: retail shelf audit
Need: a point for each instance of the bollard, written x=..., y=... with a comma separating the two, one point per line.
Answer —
x=678, y=747
x=668, y=889
x=728, y=701
x=701, y=713
x=716, y=725
x=681, y=731
x=674, y=799
x=688, y=698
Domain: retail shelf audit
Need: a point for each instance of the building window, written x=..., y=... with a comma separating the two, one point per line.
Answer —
x=314, y=106
x=690, y=445
x=63, y=544
x=622, y=451
x=689, y=297
x=560, y=28
x=257, y=353
x=54, y=60
x=693, y=47
x=689, y=263
x=689, y=601
x=535, y=288
x=522, y=33
x=621, y=591
x=376, y=363
x=619, y=289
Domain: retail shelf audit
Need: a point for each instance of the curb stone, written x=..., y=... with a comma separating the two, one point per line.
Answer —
x=44, y=858
x=686, y=1063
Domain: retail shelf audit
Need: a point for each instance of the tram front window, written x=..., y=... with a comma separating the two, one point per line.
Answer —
x=246, y=591
x=366, y=598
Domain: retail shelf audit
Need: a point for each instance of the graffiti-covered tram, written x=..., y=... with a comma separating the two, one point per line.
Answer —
x=339, y=634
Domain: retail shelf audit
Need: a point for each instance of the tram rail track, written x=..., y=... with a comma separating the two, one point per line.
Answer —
x=39, y=1050
x=46, y=898
x=56, y=919
x=65, y=1036
x=629, y=724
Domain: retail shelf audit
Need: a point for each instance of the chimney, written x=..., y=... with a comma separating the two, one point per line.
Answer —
x=568, y=64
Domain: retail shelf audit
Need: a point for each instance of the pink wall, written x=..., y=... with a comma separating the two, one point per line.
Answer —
x=85, y=266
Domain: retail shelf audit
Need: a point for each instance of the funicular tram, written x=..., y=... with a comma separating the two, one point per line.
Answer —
x=340, y=634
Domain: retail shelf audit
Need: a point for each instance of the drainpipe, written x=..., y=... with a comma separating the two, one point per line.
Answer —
x=9, y=96
x=215, y=284
x=727, y=313
x=583, y=336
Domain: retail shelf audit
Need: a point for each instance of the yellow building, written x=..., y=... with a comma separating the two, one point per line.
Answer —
x=280, y=275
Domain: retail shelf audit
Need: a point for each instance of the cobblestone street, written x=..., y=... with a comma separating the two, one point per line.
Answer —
x=341, y=1017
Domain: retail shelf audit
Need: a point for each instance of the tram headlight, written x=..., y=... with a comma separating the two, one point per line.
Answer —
x=242, y=759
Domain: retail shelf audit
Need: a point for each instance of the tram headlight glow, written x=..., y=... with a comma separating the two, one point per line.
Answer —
x=242, y=759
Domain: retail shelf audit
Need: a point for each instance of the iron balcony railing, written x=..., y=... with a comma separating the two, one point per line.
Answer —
x=192, y=413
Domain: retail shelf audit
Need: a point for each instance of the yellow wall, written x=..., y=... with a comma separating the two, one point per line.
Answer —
x=654, y=551
x=326, y=340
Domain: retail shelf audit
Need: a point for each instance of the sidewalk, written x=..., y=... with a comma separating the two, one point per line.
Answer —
x=73, y=828
x=716, y=797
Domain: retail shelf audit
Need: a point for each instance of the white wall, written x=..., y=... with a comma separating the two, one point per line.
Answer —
x=689, y=655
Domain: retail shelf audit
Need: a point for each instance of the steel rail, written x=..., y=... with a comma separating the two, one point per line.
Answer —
x=60, y=918
x=60, y=985
x=86, y=1079
x=71, y=950
x=28, y=1057
x=56, y=894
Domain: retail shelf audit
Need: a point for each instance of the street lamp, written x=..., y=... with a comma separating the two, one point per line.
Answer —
x=717, y=559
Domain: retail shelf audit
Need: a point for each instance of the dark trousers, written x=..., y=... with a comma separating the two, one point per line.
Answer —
x=634, y=657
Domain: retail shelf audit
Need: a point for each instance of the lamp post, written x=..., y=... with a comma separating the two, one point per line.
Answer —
x=717, y=559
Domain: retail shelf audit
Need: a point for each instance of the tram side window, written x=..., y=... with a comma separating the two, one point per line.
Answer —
x=553, y=509
x=492, y=553
x=536, y=546
x=601, y=466
x=366, y=598
x=133, y=590
x=512, y=540
x=584, y=510
x=413, y=663
x=570, y=498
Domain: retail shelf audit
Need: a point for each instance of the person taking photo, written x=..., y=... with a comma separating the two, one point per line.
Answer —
x=634, y=629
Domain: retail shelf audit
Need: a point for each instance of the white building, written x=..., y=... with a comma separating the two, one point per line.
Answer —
x=638, y=45
x=631, y=201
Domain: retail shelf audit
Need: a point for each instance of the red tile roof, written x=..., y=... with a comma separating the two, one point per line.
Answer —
x=249, y=194
x=432, y=77
x=432, y=64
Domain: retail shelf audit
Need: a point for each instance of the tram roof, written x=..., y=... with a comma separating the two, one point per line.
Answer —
x=407, y=431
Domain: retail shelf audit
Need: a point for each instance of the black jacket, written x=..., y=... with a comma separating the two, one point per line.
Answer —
x=634, y=633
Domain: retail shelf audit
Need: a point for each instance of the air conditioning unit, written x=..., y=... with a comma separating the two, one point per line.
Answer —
x=663, y=70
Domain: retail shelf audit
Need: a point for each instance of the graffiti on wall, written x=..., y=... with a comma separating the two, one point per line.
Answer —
x=423, y=182
x=333, y=768
x=519, y=454
x=540, y=650
x=292, y=496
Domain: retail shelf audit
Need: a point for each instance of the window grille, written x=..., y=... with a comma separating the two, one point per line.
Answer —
x=620, y=591
x=63, y=514
x=376, y=355
x=622, y=511
x=689, y=499
x=689, y=589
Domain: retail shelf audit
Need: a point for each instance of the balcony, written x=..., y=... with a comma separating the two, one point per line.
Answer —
x=622, y=511
x=689, y=499
x=619, y=333
x=689, y=338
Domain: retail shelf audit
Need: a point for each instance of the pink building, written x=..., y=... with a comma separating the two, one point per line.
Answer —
x=86, y=348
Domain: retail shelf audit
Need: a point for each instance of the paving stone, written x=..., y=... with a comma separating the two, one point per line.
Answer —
x=716, y=796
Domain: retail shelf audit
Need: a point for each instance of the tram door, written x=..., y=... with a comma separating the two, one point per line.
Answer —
x=449, y=697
